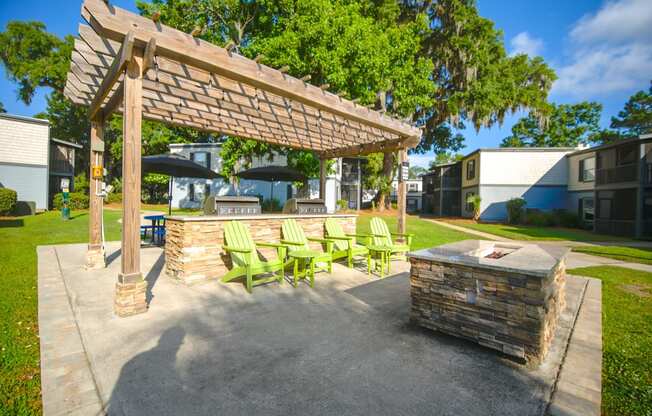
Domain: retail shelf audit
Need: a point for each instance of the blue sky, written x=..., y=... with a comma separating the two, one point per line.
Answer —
x=601, y=50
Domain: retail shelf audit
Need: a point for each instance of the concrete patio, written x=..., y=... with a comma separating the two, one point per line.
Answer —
x=344, y=347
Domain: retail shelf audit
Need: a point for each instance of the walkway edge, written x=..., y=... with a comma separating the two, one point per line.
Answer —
x=68, y=386
x=578, y=390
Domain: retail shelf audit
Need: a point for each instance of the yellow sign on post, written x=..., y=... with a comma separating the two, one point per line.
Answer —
x=98, y=172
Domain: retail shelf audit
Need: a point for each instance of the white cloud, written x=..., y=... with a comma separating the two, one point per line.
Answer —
x=611, y=51
x=619, y=21
x=524, y=43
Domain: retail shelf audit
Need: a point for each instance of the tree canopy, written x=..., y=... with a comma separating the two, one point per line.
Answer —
x=636, y=117
x=568, y=125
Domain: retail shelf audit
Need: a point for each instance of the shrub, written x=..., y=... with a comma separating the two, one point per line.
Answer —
x=475, y=201
x=8, y=198
x=515, y=210
x=81, y=183
x=114, y=197
x=342, y=204
x=77, y=200
x=271, y=205
x=568, y=218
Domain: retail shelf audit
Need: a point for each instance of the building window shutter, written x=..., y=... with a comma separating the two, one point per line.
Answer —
x=581, y=172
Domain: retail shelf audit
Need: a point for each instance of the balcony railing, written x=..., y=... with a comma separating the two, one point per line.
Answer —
x=61, y=166
x=618, y=174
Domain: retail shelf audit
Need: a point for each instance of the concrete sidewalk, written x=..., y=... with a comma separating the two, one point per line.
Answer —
x=344, y=347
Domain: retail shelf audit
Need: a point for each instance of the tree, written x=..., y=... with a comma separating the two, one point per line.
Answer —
x=475, y=80
x=337, y=43
x=34, y=58
x=568, y=125
x=415, y=171
x=636, y=117
x=442, y=158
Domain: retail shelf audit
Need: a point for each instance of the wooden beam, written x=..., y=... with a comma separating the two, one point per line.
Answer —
x=148, y=56
x=401, y=194
x=131, y=161
x=95, y=256
x=114, y=102
x=119, y=63
x=113, y=23
x=323, y=166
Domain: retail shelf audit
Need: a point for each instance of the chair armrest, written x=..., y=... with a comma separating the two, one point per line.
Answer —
x=359, y=235
x=269, y=244
x=292, y=243
x=318, y=240
x=402, y=234
x=332, y=237
x=281, y=249
x=349, y=241
x=237, y=249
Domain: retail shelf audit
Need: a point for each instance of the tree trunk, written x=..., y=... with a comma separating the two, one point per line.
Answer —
x=384, y=200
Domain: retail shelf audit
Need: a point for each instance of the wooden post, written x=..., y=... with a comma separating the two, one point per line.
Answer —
x=322, y=178
x=130, y=289
x=95, y=255
x=402, y=194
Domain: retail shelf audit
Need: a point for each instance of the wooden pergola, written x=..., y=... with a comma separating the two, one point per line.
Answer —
x=129, y=64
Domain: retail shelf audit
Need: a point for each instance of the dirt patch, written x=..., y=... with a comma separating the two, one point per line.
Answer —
x=638, y=290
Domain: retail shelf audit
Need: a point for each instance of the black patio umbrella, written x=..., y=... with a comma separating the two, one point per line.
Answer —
x=175, y=165
x=272, y=174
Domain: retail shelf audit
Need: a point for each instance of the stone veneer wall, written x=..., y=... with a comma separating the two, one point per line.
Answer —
x=513, y=313
x=193, y=248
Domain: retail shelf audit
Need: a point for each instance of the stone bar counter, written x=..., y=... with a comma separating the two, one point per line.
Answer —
x=500, y=295
x=193, y=244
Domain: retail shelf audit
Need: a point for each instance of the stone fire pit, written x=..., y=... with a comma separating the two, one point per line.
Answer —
x=501, y=295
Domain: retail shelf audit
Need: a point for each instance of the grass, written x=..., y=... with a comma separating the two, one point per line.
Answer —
x=627, y=339
x=630, y=254
x=19, y=344
x=426, y=233
x=526, y=232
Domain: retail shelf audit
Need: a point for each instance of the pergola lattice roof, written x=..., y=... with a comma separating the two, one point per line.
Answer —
x=193, y=83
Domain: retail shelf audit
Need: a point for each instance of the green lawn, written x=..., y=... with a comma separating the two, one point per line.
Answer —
x=629, y=254
x=526, y=232
x=426, y=233
x=19, y=353
x=627, y=339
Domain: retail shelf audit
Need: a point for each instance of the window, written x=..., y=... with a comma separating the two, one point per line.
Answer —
x=207, y=190
x=412, y=187
x=197, y=192
x=467, y=198
x=585, y=209
x=587, y=170
x=626, y=155
x=470, y=170
x=201, y=158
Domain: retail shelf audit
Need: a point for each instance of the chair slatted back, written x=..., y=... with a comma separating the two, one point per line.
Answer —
x=237, y=235
x=294, y=233
x=379, y=229
x=334, y=229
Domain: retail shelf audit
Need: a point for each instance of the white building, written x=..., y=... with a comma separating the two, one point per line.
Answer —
x=414, y=194
x=24, y=156
x=190, y=192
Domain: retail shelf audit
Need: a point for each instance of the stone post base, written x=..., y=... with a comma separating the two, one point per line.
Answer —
x=95, y=258
x=130, y=298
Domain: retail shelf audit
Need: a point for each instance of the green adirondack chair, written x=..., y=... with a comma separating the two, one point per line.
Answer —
x=296, y=240
x=244, y=255
x=382, y=237
x=345, y=245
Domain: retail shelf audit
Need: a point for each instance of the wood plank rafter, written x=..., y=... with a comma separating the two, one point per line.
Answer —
x=119, y=64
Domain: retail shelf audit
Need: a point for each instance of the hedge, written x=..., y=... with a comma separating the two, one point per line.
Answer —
x=77, y=200
x=8, y=198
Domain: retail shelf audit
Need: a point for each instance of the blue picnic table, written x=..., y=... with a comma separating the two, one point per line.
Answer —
x=157, y=228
